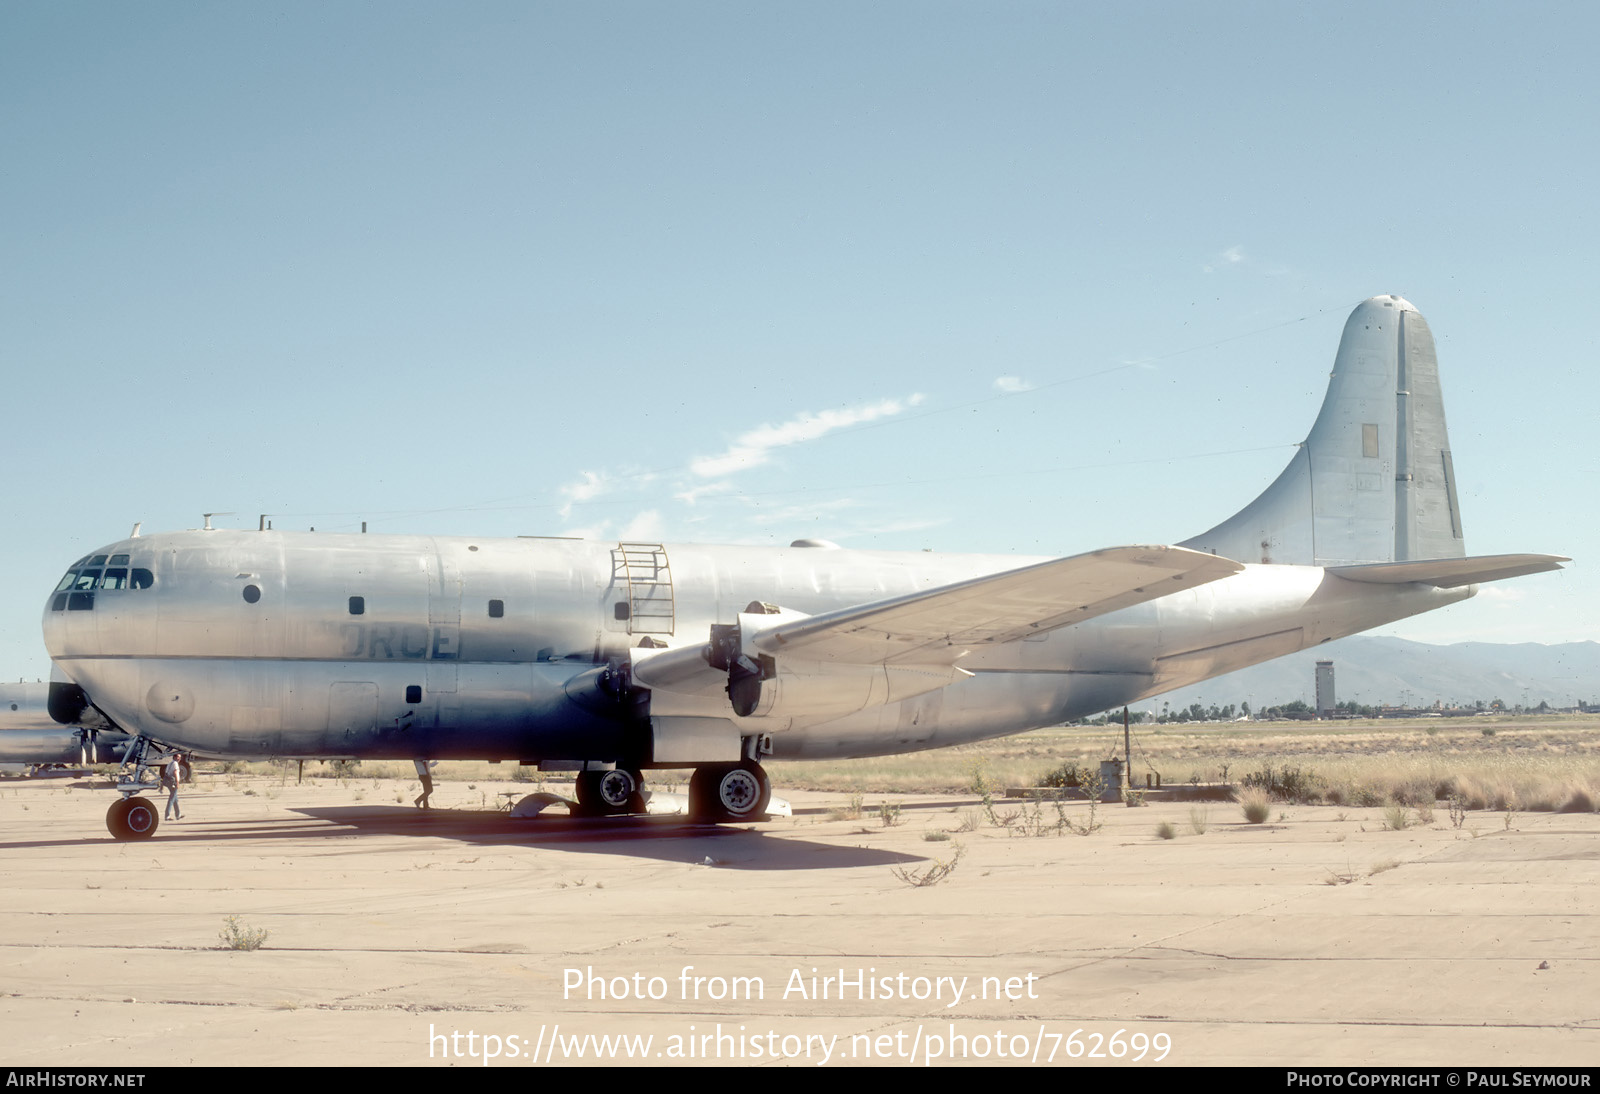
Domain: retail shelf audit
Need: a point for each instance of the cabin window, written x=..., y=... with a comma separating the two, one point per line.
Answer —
x=141, y=579
x=497, y=609
x=358, y=605
x=116, y=578
x=413, y=693
x=620, y=611
x=252, y=593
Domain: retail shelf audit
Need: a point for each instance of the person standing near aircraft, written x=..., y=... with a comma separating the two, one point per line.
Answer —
x=171, y=776
x=425, y=773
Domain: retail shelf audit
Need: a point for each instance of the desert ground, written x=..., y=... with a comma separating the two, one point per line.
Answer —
x=1327, y=935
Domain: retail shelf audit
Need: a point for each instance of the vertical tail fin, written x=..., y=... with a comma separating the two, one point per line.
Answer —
x=1373, y=481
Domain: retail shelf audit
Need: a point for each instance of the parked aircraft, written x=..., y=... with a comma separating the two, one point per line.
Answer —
x=615, y=658
x=31, y=740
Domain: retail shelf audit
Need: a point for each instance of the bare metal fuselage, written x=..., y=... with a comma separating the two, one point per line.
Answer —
x=316, y=645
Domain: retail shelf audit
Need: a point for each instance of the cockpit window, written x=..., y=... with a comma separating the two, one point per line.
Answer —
x=86, y=576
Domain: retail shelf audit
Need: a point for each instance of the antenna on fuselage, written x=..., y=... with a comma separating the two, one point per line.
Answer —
x=208, y=517
x=138, y=524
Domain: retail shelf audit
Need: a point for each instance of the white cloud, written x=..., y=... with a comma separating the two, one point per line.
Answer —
x=695, y=493
x=753, y=448
x=592, y=485
x=798, y=516
x=1012, y=384
x=593, y=531
x=1233, y=256
x=645, y=528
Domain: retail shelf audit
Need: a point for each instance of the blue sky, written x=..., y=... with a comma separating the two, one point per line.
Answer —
x=1019, y=277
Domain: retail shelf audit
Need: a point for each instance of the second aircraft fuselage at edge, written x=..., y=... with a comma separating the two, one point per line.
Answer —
x=316, y=645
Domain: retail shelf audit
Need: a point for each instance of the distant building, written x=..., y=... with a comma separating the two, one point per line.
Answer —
x=1325, y=700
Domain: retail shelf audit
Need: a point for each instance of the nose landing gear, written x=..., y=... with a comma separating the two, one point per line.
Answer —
x=132, y=818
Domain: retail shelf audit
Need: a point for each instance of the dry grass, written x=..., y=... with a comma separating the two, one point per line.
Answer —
x=1535, y=763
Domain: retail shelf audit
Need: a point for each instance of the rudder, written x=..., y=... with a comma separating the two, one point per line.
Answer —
x=1373, y=481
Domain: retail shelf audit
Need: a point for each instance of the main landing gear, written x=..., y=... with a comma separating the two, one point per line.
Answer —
x=717, y=792
x=730, y=792
x=608, y=793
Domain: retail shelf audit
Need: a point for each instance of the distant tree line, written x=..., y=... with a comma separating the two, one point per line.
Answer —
x=1299, y=709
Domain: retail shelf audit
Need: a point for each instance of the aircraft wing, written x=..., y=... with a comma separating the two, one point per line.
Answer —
x=939, y=625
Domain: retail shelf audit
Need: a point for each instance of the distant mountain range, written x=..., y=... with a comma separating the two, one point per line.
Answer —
x=1393, y=671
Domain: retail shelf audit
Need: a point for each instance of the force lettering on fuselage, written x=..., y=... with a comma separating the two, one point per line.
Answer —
x=385, y=641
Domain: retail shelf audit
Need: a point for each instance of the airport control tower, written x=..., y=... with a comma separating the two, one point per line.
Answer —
x=1325, y=700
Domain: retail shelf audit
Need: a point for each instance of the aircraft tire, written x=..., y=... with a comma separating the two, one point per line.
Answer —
x=609, y=793
x=730, y=792
x=132, y=818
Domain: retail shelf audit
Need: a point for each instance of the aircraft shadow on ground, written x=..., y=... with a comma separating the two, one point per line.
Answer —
x=665, y=839
x=669, y=838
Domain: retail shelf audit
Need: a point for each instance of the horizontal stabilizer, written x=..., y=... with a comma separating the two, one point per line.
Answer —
x=1448, y=573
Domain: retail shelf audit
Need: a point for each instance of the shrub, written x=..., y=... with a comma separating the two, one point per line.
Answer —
x=1579, y=802
x=1291, y=784
x=932, y=875
x=1257, y=805
x=1068, y=774
x=236, y=936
